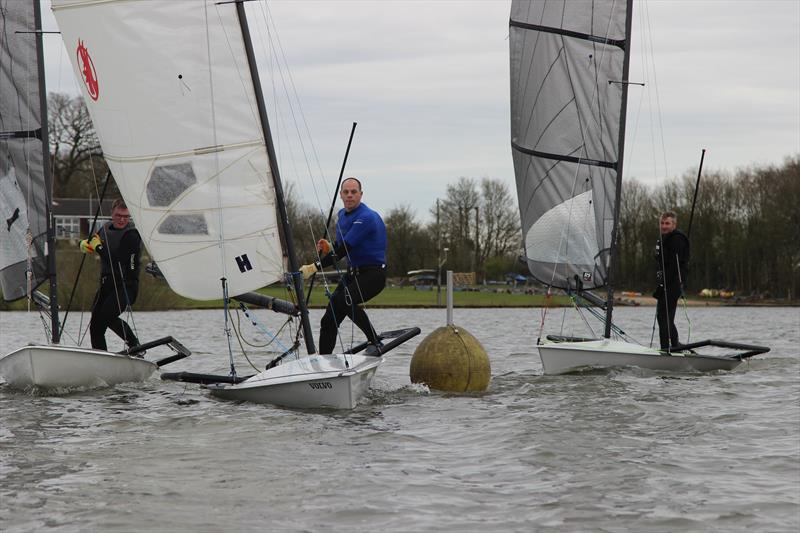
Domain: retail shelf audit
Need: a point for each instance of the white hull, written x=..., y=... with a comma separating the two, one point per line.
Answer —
x=332, y=381
x=563, y=357
x=69, y=367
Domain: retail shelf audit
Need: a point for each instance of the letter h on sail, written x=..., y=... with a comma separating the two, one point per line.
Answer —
x=244, y=263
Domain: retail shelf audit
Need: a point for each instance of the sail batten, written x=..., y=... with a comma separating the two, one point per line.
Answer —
x=565, y=133
x=568, y=33
x=169, y=91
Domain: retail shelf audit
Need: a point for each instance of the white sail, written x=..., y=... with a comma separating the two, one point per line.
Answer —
x=169, y=91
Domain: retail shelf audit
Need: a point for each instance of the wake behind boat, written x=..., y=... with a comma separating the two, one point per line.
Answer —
x=569, y=90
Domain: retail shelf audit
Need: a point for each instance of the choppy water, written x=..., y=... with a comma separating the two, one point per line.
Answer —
x=625, y=450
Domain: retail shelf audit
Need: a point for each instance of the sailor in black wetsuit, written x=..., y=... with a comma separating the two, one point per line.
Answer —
x=672, y=259
x=361, y=237
x=119, y=246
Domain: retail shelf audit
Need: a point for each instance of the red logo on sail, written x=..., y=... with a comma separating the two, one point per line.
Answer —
x=88, y=72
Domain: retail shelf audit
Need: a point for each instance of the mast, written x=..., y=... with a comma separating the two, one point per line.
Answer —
x=276, y=179
x=48, y=178
x=621, y=149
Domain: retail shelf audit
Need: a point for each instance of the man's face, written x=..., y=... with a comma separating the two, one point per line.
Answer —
x=668, y=225
x=120, y=217
x=351, y=194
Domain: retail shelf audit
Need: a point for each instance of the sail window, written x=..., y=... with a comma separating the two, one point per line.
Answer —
x=168, y=182
x=184, y=225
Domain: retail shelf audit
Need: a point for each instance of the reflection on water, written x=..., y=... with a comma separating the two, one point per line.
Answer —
x=616, y=450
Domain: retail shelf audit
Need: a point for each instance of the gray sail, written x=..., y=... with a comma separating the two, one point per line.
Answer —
x=23, y=198
x=566, y=120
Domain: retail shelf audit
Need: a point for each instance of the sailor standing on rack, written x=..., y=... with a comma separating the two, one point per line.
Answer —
x=672, y=259
x=119, y=246
x=361, y=237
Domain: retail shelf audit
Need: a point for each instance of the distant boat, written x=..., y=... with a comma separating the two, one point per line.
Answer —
x=175, y=96
x=27, y=246
x=569, y=87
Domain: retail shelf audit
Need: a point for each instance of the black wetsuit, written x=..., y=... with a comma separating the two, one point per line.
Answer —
x=672, y=259
x=361, y=237
x=119, y=284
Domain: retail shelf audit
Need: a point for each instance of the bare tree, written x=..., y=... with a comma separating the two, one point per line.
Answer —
x=456, y=214
x=499, y=220
x=78, y=165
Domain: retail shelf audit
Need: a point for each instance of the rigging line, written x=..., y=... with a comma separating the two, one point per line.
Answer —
x=647, y=56
x=128, y=308
x=333, y=201
x=664, y=291
x=360, y=295
x=292, y=110
x=329, y=295
x=215, y=142
x=659, y=114
x=583, y=317
x=99, y=209
x=261, y=328
x=239, y=340
x=267, y=14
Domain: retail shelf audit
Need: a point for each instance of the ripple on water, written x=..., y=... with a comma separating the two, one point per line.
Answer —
x=620, y=450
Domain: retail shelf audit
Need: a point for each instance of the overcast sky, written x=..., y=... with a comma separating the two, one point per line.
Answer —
x=427, y=82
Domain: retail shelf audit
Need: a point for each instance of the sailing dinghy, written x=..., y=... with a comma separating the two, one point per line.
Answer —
x=569, y=89
x=27, y=245
x=176, y=99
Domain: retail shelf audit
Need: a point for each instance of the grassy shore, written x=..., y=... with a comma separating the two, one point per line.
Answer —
x=155, y=295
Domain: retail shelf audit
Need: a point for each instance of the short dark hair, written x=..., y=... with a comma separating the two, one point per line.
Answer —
x=354, y=179
x=119, y=202
x=669, y=214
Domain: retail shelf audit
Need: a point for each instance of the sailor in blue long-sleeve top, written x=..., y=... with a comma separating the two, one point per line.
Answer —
x=361, y=237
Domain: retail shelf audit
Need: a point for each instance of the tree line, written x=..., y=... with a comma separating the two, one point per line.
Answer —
x=745, y=233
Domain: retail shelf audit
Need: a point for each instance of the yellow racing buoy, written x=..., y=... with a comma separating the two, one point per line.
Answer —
x=451, y=359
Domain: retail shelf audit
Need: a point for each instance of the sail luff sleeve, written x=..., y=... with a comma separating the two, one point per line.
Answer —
x=564, y=131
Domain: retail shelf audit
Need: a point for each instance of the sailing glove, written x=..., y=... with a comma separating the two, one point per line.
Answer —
x=88, y=246
x=324, y=247
x=309, y=270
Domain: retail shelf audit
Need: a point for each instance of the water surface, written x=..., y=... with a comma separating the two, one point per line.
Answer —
x=625, y=450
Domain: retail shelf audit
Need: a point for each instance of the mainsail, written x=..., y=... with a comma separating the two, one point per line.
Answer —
x=23, y=189
x=567, y=123
x=168, y=89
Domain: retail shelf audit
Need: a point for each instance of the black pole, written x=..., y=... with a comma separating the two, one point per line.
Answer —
x=276, y=178
x=83, y=259
x=333, y=203
x=696, y=188
x=48, y=178
x=618, y=194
